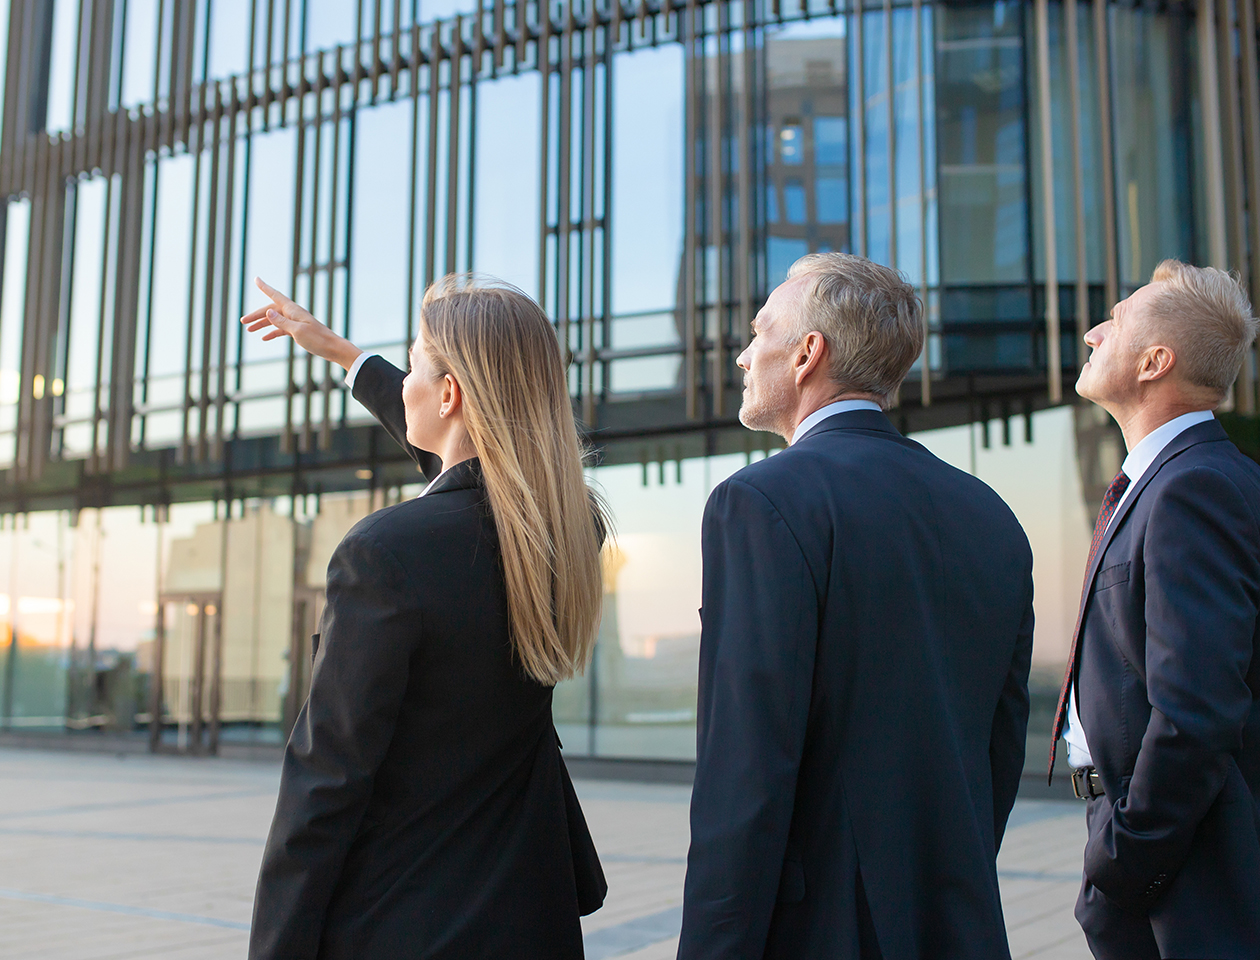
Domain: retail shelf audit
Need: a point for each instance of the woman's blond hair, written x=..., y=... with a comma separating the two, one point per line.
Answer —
x=503, y=351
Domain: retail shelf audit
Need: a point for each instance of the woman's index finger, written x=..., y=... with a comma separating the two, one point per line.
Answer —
x=271, y=291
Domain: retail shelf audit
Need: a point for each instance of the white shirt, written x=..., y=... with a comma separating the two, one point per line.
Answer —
x=830, y=410
x=1135, y=465
x=354, y=368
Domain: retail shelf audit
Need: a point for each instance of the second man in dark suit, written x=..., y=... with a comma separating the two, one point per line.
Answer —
x=866, y=638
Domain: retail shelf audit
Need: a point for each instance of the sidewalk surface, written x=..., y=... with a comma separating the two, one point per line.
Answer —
x=129, y=857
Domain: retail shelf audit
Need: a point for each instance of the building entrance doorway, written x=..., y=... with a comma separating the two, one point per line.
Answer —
x=188, y=657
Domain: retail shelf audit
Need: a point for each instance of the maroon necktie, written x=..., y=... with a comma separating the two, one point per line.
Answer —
x=1111, y=500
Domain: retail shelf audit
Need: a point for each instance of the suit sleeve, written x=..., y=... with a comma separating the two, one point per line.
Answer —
x=378, y=386
x=1202, y=578
x=1008, y=738
x=341, y=737
x=759, y=630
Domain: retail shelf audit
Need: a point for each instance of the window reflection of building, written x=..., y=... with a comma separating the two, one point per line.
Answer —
x=807, y=205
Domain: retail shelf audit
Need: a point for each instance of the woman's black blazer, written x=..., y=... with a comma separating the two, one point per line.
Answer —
x=424, y=808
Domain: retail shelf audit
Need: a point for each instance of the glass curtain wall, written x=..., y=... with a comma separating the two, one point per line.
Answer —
x=647, y=176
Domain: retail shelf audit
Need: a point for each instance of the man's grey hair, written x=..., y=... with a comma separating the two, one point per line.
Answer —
x=1204, y=315
x=869, y=316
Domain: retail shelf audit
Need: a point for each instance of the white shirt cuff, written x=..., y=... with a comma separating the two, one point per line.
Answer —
x=354, y=368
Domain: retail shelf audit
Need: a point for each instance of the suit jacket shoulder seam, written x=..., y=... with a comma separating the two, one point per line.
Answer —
x=787, y=526
x=369, y=539
x=1255, y=521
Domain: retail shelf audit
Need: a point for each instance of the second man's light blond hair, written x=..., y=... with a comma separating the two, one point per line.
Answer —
x=1206, y=318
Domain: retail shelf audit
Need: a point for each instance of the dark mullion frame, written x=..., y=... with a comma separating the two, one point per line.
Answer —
x=352, y=118
x=606, y=218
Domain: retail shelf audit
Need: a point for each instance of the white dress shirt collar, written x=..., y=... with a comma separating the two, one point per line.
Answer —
x=830, y=410
x=429, y=486
x=1152, y=445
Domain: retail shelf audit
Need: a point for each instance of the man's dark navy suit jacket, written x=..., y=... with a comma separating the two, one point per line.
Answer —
x=867, y=632
x=1169, y=694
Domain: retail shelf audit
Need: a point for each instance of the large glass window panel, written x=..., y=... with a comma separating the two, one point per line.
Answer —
x=647, y=212
x=61, y=71
x=831, y=141
x=229, y=26
x=12, y=308
x=329, y=23
x=379, y=246
x=445, y=9
x=878, y=196
x=4, y=45
x=83, y=353
x=173, y=265
x=807, y=163
x=172, y=275
x=268, y=237
x=928, y=145
x=1064, y=164
x=646, y=659
x=34, y=555
x=781, y=253
x=908, y=210
x=832, y=200
x=269, y=222
x=506, y=232
x=791, y=145
x=980, y=139
x=112, y=583
x=255, y=611
x=794, y=201
x=1153, y=80
x=139, y=52
x=191, y=570
x=257, y=615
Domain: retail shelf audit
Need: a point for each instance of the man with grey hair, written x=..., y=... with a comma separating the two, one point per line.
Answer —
x=866, y=638
x=1161, y=699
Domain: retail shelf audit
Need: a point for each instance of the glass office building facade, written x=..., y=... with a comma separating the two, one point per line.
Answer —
x=171, y=489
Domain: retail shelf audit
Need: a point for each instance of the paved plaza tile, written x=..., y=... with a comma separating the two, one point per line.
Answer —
x=110, y=858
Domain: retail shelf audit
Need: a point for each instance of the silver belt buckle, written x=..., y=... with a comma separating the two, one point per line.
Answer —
x=1081, y=785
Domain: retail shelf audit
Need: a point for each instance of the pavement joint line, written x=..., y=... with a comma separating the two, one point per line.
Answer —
x=120, y=908
x=636, y=858
x=632, y=935
x=1066, y=938
x=106, y=835
x=129, y=804
x=1041, y=875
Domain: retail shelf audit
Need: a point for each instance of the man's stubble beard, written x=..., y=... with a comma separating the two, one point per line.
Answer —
x=767, y=410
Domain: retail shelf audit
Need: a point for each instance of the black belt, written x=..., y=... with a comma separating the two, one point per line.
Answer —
x=1086, y=783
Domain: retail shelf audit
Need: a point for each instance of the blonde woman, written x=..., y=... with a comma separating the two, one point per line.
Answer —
x=424, y=808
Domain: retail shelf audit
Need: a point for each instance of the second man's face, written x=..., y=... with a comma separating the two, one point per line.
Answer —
x=1110, y=375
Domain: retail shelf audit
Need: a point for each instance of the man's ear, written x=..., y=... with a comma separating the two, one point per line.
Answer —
x=810, y=356
x=452, y=396
x=1155, y=363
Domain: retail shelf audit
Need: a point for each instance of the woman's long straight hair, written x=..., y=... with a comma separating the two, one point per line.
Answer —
x=503, y=351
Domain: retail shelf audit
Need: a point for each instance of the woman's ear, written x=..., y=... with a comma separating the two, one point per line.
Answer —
x=452, y=397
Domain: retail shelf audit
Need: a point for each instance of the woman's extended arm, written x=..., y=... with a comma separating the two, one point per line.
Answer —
x=379, y=388
x=288, y=319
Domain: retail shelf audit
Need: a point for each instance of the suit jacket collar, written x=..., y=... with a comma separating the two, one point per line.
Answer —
x=465, y=475
x=1208, y=431
x=853, y=420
